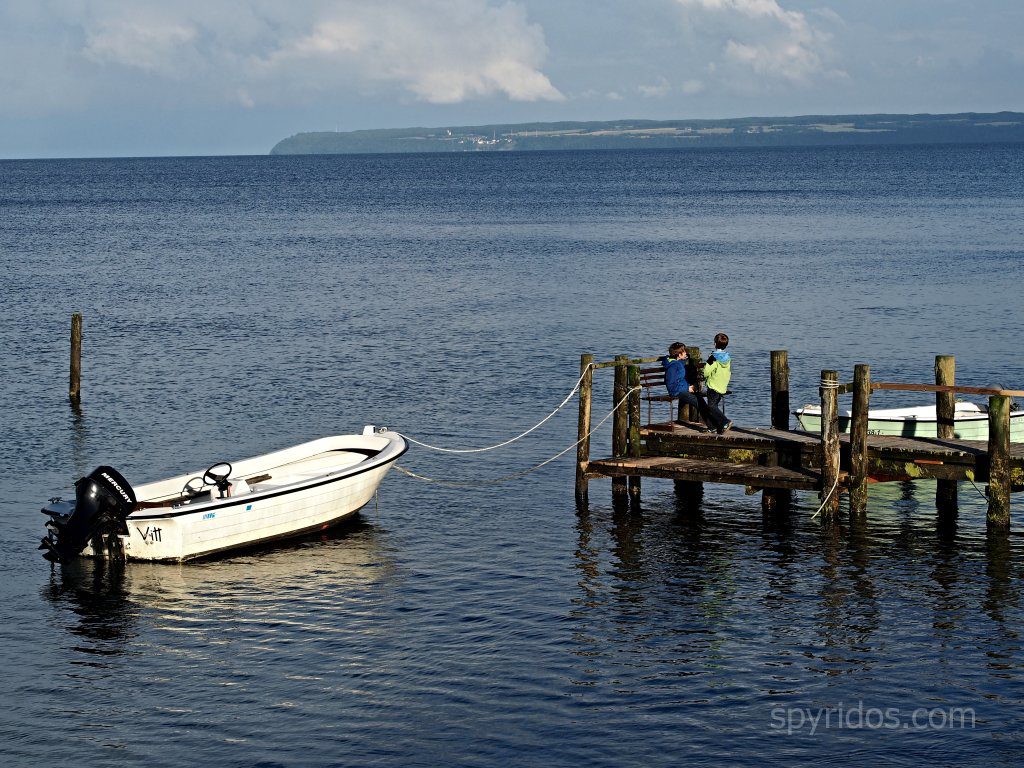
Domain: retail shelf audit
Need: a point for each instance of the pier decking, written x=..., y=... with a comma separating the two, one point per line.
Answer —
x=776, y=460
x=773, y=458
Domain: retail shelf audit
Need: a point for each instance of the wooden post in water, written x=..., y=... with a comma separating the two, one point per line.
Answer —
x=75, y=381
x=780, y=389
x=945, y=409
x=620, y=425
x=829, y=494
x=778, y=499
x=583, y=428
x=859, y=440
x=633, y=381
x=696, y=373
x=999, y=462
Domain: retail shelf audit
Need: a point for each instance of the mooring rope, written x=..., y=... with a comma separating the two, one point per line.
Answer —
x=512, y=440
x=522, y=473
x=980, y=492
x=827, y=497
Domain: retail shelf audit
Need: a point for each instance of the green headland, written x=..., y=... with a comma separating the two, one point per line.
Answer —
x=809, y=130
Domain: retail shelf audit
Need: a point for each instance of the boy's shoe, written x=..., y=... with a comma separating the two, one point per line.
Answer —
x=725, y=428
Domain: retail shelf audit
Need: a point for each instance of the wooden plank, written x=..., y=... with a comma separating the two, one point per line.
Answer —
x=896, y=386
x=696, y=470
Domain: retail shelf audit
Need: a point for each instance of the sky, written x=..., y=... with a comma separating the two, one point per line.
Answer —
x=114, y=78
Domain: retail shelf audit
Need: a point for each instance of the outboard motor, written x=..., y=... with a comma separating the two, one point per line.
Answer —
x=103, y=500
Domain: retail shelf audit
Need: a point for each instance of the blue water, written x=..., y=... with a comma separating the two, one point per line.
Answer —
x=235, y=305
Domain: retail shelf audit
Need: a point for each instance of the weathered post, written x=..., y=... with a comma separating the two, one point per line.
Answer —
x=583, y=427
x=633, y=381
x=945, y=409
x=999, y=462
x=778, y=499
x=693, y=373
x=780, y=389
x=620, y=426
x=829, y=494
x=75, y=382
x=859, y=440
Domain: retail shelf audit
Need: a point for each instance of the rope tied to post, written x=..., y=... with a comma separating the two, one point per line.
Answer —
x=561, y=405
x=828, y=496
x=534, y=468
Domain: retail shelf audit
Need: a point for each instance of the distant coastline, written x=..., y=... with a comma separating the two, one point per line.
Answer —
x=806, y=130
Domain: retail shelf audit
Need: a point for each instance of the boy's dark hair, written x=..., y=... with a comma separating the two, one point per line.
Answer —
x=721, y=341
x=676, y=348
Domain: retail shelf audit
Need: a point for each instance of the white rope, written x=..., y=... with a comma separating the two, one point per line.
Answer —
x=514, y=475
x=827, y=497
x=512, y=440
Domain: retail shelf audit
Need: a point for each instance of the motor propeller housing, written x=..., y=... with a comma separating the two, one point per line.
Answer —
x=103, y=499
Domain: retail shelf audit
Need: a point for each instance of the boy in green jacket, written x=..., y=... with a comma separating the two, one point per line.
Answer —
x=718, y=371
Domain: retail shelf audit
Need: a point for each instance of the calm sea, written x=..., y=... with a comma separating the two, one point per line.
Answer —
x=236, y=305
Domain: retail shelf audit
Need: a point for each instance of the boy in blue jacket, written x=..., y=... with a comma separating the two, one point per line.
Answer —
x=679, y=385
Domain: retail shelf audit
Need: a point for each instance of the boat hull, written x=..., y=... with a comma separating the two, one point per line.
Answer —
x=968, y=425
x=290, y=503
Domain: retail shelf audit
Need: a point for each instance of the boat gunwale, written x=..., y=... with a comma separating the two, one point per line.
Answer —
x=982, y=417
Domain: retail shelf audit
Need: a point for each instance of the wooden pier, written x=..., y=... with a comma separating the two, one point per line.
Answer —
x=776, y=460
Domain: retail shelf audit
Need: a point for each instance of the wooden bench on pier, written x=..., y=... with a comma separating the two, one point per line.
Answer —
x=652, y=389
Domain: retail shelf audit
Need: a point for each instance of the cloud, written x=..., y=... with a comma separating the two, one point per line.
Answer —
x=692, y=87
x=147, y=45
x=657, y=90
x=261, y=52
x=469, y=49
x=763, y=37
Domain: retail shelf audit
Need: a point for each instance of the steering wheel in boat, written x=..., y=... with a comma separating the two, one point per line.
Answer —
x=218, y=475
x=193, y=488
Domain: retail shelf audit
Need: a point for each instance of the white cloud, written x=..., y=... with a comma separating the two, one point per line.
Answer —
x=148, y=45
x=692, y=87
x=657, y=90
x=448, y=53
x=262, y=52
x=762, y=36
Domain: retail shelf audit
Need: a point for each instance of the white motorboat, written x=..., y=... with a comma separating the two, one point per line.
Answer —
x=306, y=488
x=970, y=421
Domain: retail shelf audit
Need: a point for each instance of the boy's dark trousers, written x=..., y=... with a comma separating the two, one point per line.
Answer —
x=715, y=400
x=713, y=417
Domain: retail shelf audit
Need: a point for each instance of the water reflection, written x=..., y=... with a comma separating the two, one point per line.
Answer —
x=110, y=604
x=95, y=594
x=79, y=436
x=725, y=586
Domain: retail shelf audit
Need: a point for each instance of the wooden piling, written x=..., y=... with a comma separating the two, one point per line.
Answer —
x=945, y=409
x=583, y=427
x=999, y=462
x=633, y=382
x=778, y=499
x=829, y=493
x=620, y=422
x=859, y=440
x=780, y=389
x=75, y=382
